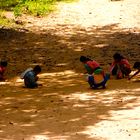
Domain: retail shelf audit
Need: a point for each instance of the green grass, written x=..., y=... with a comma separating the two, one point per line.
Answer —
x=32, y=7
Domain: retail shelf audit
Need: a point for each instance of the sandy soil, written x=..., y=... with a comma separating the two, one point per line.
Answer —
x=64, y=108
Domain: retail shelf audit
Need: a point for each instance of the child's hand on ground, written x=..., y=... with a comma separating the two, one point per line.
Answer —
x=40, y=84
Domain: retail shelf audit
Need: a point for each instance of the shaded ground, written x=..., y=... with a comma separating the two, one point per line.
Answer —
x=64, y=108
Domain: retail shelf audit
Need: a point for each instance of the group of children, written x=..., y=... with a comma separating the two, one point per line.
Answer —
x=120, y=68
x=97, y=78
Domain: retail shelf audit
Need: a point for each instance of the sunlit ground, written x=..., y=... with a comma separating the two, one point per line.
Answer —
x=87, y=13
x=64, y=108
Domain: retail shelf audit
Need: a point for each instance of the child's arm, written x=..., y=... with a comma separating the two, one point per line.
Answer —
x=134, y=74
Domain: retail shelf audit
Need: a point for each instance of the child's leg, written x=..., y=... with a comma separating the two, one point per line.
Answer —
x=125, y=71
x=119, y=74
x=106, y=78
x=91, y=81
x=114, y=70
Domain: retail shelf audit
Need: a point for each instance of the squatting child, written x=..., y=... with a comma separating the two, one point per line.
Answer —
x=120, y=67
x=30, y=77
x=96, y=76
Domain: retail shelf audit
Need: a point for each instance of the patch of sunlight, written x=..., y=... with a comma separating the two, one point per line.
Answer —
x=37, y=137
x=82, y=96
x=101, y=45
x=31, y=110
x=67, y=72
x=127, y=113
x=18, y=80
x=33, y=116
x=45, y=137
x=61, y=64
x=72, y=120
x=4, y=83
x=110, y=130
x=123, y=124
x=1, y=131
x=78, y=49
x=27, y=125
x=80, y=105
x=137, y=89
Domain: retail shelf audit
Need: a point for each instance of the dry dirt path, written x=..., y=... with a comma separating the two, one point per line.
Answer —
x=64, y=108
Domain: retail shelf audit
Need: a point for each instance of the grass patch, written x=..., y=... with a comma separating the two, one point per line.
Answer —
x=34, y=7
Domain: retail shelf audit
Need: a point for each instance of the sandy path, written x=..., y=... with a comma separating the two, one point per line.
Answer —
x=88, y=13
x=64, y=108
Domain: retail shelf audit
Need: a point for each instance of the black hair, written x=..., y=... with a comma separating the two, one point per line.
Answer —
x=136, y=65
x=84, y=59
x=118, y=56
x=3, y=63
x=37, y=68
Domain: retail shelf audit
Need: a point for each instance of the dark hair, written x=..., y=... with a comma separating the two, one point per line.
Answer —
x=37, y=69
x=3, y=63
x=118, y=56
x=136, y=65
x=84, y=59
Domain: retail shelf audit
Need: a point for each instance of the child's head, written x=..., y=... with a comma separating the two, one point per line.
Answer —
x=3, y=63
x=37, y=69
x=136, y=65
x=84, y=59
x=117, y=57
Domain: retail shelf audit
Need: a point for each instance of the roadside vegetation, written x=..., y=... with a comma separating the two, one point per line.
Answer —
x=32, y=7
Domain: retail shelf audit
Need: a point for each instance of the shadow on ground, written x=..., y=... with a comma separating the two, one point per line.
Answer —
x=64, y=107
x=59, y=48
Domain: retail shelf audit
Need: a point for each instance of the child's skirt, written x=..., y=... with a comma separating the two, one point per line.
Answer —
x=98, y=79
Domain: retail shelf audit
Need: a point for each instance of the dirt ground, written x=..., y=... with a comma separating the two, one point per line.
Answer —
x=64, y=108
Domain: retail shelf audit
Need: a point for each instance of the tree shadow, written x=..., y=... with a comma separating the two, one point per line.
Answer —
x=63, y=108
x=67, y=43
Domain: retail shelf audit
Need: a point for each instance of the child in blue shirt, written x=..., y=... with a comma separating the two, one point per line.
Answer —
x=30, y=77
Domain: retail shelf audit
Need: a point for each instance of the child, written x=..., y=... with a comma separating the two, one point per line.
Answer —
x=3, y=65
x=96, y=76
x=30, y=77
x=120, y=67
x=136, y=66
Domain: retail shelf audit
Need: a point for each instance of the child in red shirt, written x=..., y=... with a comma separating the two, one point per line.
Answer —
x=96, y=76
x=120, y=67
x=3, y=65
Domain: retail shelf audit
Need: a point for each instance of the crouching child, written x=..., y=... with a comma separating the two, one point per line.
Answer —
x=96, y=76
x=30, y=77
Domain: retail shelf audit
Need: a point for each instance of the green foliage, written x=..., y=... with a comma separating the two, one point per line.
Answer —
x=8, y=4
x=35, y=7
